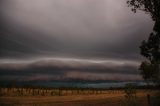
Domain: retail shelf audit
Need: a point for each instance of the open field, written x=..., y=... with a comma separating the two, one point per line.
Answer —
x=74, y=100
x=76, y=97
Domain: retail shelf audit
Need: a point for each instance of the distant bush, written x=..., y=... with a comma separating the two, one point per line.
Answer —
x=130, y=95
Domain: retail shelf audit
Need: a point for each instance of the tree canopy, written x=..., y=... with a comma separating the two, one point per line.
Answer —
x=150, y=48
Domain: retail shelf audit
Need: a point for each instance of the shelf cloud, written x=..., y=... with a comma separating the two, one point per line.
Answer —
x=66, y=68
x=70, y=39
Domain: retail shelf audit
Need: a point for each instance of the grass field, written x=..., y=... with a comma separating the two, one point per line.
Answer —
x=76, y=97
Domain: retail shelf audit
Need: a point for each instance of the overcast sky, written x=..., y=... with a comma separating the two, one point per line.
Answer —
x=71, y=39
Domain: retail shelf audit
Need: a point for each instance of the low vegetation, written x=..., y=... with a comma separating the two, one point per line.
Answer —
x=24, y=96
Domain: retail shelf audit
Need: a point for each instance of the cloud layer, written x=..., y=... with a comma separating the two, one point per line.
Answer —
x=67, y=68
x=74, y=27
x=92, y=40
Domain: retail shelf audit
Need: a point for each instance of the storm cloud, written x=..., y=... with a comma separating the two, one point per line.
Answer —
x=71, y=39
x=66, y=68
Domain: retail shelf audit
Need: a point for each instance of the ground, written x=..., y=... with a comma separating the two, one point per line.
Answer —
x=103, y=99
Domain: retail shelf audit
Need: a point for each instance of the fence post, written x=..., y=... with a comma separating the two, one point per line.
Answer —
x=149, y=99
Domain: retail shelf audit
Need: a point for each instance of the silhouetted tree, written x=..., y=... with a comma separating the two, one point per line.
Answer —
x=150, y=48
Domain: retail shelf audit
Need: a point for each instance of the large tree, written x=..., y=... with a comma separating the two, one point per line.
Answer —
x=150, y=48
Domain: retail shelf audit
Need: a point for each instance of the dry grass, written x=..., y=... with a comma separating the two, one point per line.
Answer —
x=67, y=97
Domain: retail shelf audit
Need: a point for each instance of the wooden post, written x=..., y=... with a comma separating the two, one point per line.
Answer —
x=149, y=99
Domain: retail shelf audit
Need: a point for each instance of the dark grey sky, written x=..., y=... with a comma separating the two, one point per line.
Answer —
x=79, y=39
